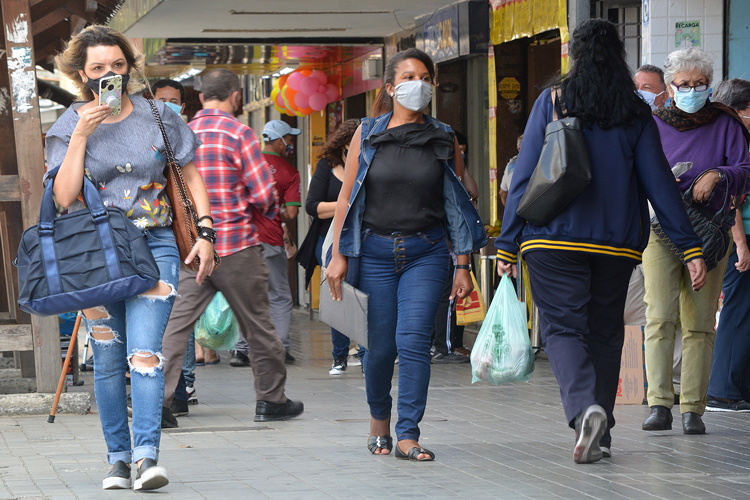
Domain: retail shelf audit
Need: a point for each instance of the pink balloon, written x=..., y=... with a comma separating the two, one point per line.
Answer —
x=280, y=99
x=309, y=86
x=318, y=101
x=302, y=100
x=321, y=89
x=320, y=77
x=295, y=80
x=332, y=92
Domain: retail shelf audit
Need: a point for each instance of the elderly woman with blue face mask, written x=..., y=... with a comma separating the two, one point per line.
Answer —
x=711, y=137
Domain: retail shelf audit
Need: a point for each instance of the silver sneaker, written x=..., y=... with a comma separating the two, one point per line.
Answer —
x=590, y=427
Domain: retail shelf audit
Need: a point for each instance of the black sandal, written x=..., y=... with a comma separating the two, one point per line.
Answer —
x=379, y=443
x=414, y=454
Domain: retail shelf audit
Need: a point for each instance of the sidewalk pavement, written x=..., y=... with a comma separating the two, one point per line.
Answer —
x=505, y=442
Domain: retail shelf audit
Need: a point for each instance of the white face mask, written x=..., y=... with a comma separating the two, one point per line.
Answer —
x=650, y=97
x=414, y=95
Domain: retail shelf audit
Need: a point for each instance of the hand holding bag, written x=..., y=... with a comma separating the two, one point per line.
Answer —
x=562, y=172
x=83, y=259
x=184, y=215
x=472, y=308
x=711, y=228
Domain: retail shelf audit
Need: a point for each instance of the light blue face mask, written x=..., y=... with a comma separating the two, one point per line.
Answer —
x=691, y=102
x=414, y=95
x=174, y=107
x=650, y=97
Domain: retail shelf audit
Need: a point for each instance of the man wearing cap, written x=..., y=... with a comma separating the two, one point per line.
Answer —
x=241, y=189
x=278, y=138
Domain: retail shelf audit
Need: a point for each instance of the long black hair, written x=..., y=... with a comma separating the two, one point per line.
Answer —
x=599, y=88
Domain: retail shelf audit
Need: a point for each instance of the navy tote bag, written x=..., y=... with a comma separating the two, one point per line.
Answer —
x=83, y=259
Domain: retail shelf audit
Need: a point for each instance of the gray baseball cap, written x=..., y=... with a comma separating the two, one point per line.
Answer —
x=276, y=129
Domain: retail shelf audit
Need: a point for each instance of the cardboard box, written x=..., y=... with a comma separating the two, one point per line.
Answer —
x=631, y=388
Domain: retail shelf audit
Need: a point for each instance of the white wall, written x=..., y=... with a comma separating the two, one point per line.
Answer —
x=658, y=31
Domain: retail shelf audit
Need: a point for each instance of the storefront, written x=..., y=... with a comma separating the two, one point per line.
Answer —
x=457, y=39
x=529, y=47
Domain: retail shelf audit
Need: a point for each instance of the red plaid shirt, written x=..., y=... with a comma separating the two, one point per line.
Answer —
x=236, y=176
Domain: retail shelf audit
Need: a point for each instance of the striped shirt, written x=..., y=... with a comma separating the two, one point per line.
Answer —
x=236, y=177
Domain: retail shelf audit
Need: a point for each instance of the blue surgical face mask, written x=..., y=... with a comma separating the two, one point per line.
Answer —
x=174, y=107
x=650, y=97
x=414, y=95
x=691, y=102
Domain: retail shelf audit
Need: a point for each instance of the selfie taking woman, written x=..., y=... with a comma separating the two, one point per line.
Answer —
x=397, y=238
x=122, y=153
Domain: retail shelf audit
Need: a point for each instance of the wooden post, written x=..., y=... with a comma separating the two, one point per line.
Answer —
x=27, y=132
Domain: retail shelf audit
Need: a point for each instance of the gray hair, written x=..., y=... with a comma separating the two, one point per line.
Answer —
x=650, y=68
x=687, y=60
x=219, y=84
x=735, y=93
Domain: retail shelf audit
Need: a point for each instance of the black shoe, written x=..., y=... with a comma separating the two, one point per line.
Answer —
x=150, y=476
x=590, y=427
x=450, y=358
x=338, y=366
x=179, y=408
x=692, y=423
x=167, y=419
x=118, y=478
x=716, y=404
x=239, y=358
x=659, y=420
x=267, y=412
x=289, y=359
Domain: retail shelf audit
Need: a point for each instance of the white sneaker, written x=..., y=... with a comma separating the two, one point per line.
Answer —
x=150, y=476
x=354, y=361
x=590, y=427
x=192, y=395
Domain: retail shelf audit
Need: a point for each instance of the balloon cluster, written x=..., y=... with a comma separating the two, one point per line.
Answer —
x=302, y=92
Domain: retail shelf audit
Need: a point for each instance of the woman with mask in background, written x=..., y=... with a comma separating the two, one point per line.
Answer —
x=710, y=136
x=396, y=240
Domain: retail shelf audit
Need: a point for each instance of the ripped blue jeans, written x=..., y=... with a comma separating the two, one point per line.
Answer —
x=134, y=328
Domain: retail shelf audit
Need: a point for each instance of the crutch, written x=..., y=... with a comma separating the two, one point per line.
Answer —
x=60, y=383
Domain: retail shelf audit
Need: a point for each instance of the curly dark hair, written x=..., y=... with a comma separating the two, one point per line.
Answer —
x=599, y=88
x=333, y=149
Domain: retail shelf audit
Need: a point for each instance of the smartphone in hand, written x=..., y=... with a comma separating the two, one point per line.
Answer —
x=110, y=93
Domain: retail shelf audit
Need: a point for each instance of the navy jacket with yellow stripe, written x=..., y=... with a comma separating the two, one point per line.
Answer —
x=611, y=216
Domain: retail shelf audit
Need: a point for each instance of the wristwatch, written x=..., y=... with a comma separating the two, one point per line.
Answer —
x=464, y=266
x=722, y=175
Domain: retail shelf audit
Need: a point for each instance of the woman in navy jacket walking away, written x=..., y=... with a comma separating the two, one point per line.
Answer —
x=580, y=263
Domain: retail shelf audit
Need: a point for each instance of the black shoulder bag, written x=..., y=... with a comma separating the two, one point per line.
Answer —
x=562, y=172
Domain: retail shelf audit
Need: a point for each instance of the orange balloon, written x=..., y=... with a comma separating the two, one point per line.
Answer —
x=281, y=81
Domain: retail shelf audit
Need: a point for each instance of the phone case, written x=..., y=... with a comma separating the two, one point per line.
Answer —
x=110, y=93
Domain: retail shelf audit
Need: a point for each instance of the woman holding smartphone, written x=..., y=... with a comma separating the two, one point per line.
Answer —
x=123, y=155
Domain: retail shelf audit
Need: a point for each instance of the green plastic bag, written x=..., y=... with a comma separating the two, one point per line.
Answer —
x=502, y=352
x=217, y=328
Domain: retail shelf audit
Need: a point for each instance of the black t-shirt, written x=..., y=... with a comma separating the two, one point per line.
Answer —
x=404, y=184
x=324, y=186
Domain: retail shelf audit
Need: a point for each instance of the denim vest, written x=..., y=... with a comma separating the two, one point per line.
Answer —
x=465, y=227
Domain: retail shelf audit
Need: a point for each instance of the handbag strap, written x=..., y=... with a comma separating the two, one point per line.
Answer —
x=688, y=197
x=553, y=94
x=174, y=168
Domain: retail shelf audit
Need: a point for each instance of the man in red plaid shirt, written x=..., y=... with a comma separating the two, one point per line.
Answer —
x=237, y=179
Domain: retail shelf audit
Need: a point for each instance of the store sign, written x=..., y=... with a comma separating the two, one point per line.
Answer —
x=440, y=34
x=509, y=88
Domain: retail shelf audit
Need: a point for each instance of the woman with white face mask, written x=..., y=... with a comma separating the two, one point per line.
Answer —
x=711, y=137
x=396, y=240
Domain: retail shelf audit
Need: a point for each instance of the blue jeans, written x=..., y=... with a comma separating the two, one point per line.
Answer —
x=404, y=276
x=729, y=370
x=339, y=340
x=188, y=366
x=146, y=316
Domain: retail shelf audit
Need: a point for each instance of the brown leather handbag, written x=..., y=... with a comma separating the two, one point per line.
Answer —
x=184, y=215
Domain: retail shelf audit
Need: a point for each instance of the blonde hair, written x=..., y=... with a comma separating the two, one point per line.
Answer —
x=73, y=57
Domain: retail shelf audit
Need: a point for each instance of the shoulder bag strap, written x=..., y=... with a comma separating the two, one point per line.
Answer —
x=553, y=94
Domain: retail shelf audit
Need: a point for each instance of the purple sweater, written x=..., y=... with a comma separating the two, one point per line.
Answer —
x=719, y=146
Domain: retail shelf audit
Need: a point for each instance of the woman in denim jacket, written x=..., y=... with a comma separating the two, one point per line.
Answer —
x=394, y=243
